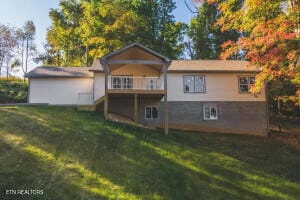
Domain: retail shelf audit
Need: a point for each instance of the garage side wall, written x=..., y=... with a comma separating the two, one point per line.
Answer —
x=61, y=91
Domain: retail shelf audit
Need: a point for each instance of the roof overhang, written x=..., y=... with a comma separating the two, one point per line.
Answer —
x=134, y=54
x=213, y=71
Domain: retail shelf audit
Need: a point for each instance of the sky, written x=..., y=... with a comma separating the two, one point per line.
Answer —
x=16, y=12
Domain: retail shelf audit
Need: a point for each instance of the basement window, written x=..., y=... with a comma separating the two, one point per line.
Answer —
x=210, y=112
x=151, y=112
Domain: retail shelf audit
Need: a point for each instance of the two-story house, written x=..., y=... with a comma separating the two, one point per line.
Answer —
x=150, y=89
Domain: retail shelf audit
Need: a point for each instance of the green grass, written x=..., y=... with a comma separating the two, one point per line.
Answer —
x=77, y=155
x=13, y=90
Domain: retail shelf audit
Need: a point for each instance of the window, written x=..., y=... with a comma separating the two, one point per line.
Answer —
x=210, y=112
x=245, y=83
x=151, y=112
x=121, y=82
x=194, y=84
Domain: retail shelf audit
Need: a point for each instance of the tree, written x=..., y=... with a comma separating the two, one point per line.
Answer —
x=26, y=45
x=50, y=56
x=7, y=44
x=270, y=38
x=82, y=31
x=107, y=26
x=63, y=37
x=207, y=38
x=158, y=29
x=30, y=47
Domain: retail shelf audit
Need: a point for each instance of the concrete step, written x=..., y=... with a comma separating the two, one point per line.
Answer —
x=86, y=107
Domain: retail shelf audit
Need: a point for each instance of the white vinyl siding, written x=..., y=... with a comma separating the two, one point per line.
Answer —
x=218, y=87
x=61, y=91
x=99, y=85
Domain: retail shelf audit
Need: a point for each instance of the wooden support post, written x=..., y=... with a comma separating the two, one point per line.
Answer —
x=136, y=108
x=106, y=87
x=106, y=106
x=166, y=111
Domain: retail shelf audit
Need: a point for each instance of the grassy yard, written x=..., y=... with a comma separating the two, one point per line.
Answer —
x=77, y=155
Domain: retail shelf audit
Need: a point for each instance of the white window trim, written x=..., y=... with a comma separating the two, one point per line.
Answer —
x=210, y=106
x=193, y=92
x=146, y=118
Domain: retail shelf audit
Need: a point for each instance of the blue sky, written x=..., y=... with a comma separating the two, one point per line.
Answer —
x=16, y=12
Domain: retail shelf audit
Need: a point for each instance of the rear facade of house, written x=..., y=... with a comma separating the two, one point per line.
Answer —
x=148, y=88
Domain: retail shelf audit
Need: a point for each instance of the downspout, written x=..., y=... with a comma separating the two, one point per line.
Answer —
x=28, y=91
x=93, y=92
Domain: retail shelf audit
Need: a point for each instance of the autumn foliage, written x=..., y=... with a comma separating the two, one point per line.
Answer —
x=269, y=37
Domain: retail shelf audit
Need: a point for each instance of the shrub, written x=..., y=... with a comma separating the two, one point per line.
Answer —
x=13, y=90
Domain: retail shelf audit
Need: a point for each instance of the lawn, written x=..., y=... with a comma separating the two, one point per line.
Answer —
x=77, y=155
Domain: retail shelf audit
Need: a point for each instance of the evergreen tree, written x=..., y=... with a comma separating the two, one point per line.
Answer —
x=207, y=38
x=158, y=29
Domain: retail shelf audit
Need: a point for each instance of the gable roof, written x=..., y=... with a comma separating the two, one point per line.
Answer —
x=63, y=72
x=96, y=66
x=211, y=66
x=135, y=44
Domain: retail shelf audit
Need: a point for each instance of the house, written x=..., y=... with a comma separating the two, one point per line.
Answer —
x=139, y=83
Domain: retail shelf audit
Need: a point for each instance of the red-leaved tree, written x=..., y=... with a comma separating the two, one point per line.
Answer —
x=270, y=37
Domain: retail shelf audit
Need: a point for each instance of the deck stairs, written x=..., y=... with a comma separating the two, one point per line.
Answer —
x=92, y=107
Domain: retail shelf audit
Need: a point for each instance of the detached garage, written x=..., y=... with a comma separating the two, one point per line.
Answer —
x=61, y=85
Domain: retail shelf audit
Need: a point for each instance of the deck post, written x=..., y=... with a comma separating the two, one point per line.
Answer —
x=166, y=111
x=135, y=108
x=106, y=95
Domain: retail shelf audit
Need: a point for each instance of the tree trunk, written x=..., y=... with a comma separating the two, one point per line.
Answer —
x=26, y=58
x=1, y=62
x=22, y=56
x=7, y=68
x=87, y=55
x=58, y=58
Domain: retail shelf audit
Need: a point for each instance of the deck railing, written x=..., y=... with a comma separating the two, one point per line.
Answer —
x=135, y=83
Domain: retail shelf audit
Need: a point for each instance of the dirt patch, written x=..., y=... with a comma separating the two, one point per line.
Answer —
x=289, y=138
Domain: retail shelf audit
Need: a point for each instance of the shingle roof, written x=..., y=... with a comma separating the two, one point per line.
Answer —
x=96, y=66
x=46, y=71
x=211, y=66
x=176, y=66
x=200, y=66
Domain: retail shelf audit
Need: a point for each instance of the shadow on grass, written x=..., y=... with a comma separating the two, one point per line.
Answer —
x=120, y=162
x=22, y=169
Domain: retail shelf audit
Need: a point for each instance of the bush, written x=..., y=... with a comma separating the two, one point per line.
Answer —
x=13, y=90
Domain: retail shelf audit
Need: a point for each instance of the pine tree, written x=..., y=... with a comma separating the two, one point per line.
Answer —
x=205, y=36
